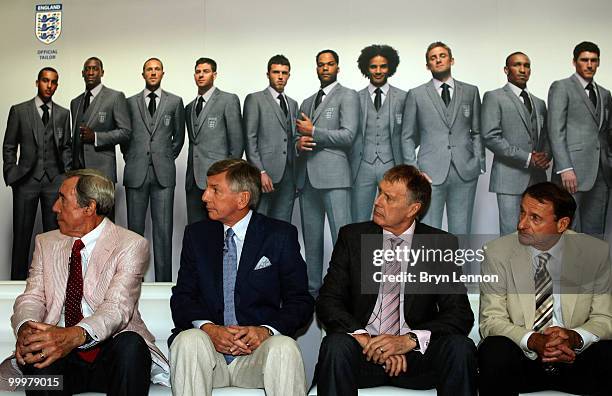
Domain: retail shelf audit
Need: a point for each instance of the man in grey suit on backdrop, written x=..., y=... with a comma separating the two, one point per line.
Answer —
x=514, y=129
x=100, y=120
x=158, y=134
x=578, y=124
x=377, y=144
x=214, y=127
x=327, y=126
x=269, y=123
x=442, y=117
x=39, y=131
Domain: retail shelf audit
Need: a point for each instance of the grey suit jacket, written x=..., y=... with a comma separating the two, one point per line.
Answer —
x=336, y=121
x=21, y=137
x=507, y=307
x=506, y=130
x=265, y=126
x=108, y=116
x=397, y=99
x=157, y=140
x=578, y=131
x=215, y=135
x=441, y=138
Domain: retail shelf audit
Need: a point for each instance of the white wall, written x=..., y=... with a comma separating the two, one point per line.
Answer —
x=242, y=35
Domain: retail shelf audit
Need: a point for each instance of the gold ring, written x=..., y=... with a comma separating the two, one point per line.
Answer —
x=381, y=350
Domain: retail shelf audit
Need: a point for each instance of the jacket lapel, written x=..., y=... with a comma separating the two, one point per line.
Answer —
x=391, y=96
x=92, y=110
x=144, y=111
x=326, y=99
x=33, y=117
x=215, y=258
x=98, y=259
x=436, y=100
x=522, y=273
x=277, y=110
x=571, y=277
x=204, y=112
x=456, y=102
x=582, y=94
x=363, y=98
x=520, y=107
x=253, y=242
x=163, y=100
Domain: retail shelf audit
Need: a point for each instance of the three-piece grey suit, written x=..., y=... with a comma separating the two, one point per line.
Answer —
x=269, y=146
x=451, y=152
x=512, y=133
x=376, y=148
x=150, y=172
x=214, y=135
x=323, y=175
x=108, y=116
x=578, y=134
x=35, y=174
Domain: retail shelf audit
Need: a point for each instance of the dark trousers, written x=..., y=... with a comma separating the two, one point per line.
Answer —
x=196, y=208
x=505, y=370
x=123, y=367
x=449, y=365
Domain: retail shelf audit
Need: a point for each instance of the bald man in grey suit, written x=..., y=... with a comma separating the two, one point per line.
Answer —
x=442, y=117
x=513, y=124
x=100, y=120
x=269, y=123
x=327, y=126
x=158, y=122
x=214, y=128
x=579, y=130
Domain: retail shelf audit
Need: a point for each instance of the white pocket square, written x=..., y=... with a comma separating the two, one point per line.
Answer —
x=263, y=262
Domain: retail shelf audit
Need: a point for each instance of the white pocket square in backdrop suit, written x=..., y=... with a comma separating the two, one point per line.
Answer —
x=263, y=262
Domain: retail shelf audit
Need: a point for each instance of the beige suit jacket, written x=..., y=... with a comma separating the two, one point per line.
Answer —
x=111, y=284
x=507, y=308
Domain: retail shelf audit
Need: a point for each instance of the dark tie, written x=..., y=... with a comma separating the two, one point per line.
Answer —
x=283, y=104
x=86, y=101
x=199, y=106
x=446, y=98
x=45, y=116
x=526, y=100
x=377, y=98
x=592, y=95
x=319, y=98
x=230, y=257
x=152, y=104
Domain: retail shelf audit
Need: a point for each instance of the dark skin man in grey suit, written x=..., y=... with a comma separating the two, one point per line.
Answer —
x=39, y=130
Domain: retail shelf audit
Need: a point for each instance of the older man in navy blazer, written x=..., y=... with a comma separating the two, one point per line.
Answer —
x=241, y=292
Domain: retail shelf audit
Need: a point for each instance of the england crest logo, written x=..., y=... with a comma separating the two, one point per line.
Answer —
x=48, y=22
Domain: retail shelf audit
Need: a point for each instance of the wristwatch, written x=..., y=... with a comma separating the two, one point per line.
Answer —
x=580, y=343
x=414, y=338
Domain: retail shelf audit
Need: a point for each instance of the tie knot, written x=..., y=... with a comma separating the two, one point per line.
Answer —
x=445, y=86
x=378, y=91
x=523, y=93
x=201, y=100
x=589, y=86
x=88, y=93
x=229, y=233
x=280, y=97
x=77, y=246
x=44, y=107
x=543, y=259
x=152, y=95
x=395, y=242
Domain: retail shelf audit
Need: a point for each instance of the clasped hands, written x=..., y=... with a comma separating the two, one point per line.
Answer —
x=555, y=344
x=87, y=134
x=387, y=350
x=41, y=344
x=236, y=340
x=305, y=129
x=539, y=159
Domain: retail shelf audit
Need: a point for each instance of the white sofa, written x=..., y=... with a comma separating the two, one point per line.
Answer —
x=155, y=309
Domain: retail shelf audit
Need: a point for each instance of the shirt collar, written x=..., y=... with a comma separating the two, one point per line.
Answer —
x=328, y=89
x=95, y=91
x=39, y=102
x=90, y=239
x=584, y=82
x=438, y=84
x=517, y=91
x=157, y=92
x=240, y=228
x=406, y=235
x=208, y=94
x=384, y=89
x=275, y=93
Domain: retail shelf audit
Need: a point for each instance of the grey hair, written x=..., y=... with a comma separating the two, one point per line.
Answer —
x=94, y=186
x=241, y=176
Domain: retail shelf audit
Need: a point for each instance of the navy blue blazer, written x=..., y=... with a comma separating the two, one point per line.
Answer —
x=276, y=295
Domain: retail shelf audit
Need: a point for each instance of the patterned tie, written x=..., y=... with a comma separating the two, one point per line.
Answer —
x=45, y=116
x=319, y=98
x=544, y=291
x=152, y=104
x=592, y=95
x=86, y=101
x=446, y=98
x=74, y=295
x=390, y=316
x=283, y=104
x=199, y=106
x=526, y=100
x=377, y=98
x=229, y=282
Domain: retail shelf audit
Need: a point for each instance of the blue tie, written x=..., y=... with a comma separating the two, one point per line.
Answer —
x=229, y=282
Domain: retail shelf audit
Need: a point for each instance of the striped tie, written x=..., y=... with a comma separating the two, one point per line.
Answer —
x=544, y=291
x=389, y=319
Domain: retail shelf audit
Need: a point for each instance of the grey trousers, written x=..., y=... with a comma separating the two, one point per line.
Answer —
x=196, y=367
x=509, y=208
x=279, y=203
x=592, y=208
x=162, y=209
x=365, y=188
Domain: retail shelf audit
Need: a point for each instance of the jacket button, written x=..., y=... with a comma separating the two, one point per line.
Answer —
x=448, y=147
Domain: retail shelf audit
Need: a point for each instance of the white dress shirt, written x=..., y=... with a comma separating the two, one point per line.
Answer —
x=384, y=91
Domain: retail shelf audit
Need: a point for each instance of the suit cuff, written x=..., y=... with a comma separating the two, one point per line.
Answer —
x=564, y=170
x=528, y=352
x=272, y=329
x=21, y=324
x=95, y=139
x=528, y=160
x=89, y=330
x=424, y=336
x=588, y=338
x=199, y=323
